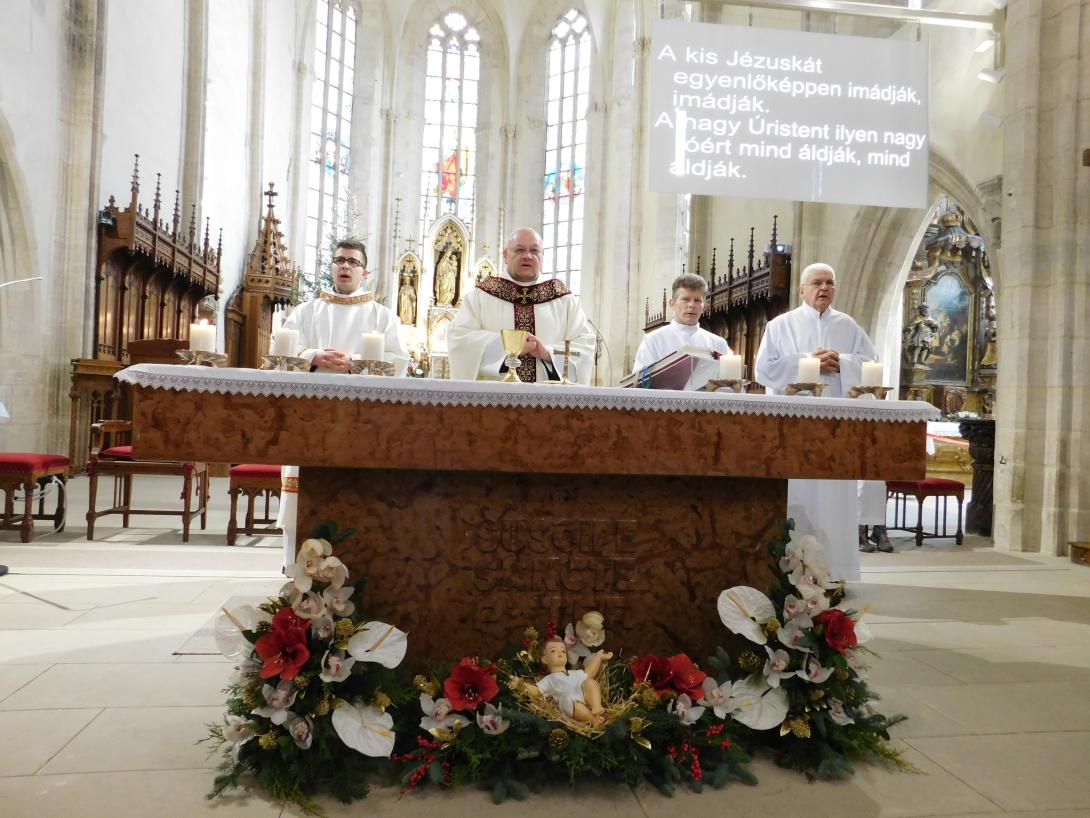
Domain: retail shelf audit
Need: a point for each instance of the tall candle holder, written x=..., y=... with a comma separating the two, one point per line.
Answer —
x=812, y=390
x=869, y=392
x=199, y=357
x=284, y=363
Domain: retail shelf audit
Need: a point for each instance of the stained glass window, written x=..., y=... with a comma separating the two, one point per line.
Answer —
x=567, y=97
x=330, y=131
x=448, y=169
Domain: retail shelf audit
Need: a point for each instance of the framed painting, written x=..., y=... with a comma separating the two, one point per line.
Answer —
x=951, y=307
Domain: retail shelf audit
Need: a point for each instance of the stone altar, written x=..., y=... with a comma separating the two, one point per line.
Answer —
x=483, y=508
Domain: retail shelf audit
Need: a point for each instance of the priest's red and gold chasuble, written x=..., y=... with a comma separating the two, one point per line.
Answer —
x=524, y=299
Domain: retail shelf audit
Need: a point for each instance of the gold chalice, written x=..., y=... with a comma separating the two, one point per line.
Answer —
x=513, y=342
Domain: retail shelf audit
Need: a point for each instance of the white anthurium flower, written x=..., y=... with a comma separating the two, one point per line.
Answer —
x=757, y=705
x=492, y=722
x=744, y=610
x=379, y=642
x=791, y=634
x=814, y=672
x=336, y=667
x=365, y=729
x=338, y=601
x=683, y=708
x=229, y=627
x=838, y=714
x=309, y=606
x=301, y=729
x=776, y=666
x=437, y=715
x=333, y=571
x=277, y=701
x=323, y=627
x=717, y=697
x=863, y=633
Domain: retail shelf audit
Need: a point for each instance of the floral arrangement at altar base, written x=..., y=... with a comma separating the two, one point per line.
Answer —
x=489, y=723
x=803, y=674
x=308, y=703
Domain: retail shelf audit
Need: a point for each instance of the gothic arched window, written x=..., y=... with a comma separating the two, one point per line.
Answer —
x=567, y=97
x=448, y=167
x=328, y=210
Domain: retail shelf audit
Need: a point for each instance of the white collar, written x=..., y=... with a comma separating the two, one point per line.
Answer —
x=810, y=312
x=686, y=329
x=512, y=279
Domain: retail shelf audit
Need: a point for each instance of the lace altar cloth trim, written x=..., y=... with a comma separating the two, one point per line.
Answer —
x=430, y=392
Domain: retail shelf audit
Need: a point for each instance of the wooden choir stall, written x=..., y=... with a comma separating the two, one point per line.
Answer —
x=484, y=507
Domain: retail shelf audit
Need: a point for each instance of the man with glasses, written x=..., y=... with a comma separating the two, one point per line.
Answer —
x=332, y=325
x=521, y=299
x=331, y=329
x=829, y=509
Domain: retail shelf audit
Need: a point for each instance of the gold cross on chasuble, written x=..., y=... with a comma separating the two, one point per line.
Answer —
x=523, y=299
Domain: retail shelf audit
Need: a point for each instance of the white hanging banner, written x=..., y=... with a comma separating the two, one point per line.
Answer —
x=780, y=114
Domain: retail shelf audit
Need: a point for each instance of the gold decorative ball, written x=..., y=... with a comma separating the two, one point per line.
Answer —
x=749, y=661
x=268, y=740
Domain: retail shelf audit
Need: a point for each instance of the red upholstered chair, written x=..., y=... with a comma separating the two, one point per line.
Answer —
x=23, y=470
x=112, y=456
x=937, y=487
x=253, y=480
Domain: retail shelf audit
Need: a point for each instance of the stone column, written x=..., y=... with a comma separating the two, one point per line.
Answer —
x=1042, y=488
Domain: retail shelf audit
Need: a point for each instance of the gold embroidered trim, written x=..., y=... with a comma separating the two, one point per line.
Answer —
x=540, y=293
x=337, y=298
x=290, y=485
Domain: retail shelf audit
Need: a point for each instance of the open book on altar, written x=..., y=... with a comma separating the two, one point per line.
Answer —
x=687, y=369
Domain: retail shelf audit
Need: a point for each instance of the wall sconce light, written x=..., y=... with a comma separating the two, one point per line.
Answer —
x=994, y=75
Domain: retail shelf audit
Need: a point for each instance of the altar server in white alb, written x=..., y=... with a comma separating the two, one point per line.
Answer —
x=331, y=329
x=521, y=299
x=831, y=510
x=689, y=296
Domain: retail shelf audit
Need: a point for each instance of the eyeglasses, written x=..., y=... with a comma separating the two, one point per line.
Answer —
x=341, y=261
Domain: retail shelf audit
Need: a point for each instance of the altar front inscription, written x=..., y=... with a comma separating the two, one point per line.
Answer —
x=469, y=559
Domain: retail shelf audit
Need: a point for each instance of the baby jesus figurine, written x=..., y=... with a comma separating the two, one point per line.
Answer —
x=576, y=692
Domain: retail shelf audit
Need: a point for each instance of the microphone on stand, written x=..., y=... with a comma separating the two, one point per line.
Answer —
x=599, y=345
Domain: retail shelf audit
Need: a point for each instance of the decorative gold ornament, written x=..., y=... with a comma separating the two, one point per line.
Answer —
x=343, y=630
x=447, y=735
x=268, y=741
x=842, y=674
x=558, y=739
x=323, y=707
x=817, y=695
x=849, y=694
x=636, y=725
x=426, y=686
x=749, y=661
x=645, y=696
x=381, y=701
x=339, y=703
x=772, y=626
x=798, y=726
x=531, y=634
x=301, y=683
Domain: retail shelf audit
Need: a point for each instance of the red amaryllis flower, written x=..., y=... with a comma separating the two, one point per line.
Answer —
x=470, y=683
x=288, y=621
x=654, y=671
x=284, y=652
x=687, y=677
x=839, y=629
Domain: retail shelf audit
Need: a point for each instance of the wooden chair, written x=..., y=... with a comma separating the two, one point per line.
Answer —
x=117, y=461
x=253, y=480
x=937, y=487
x=24, y=470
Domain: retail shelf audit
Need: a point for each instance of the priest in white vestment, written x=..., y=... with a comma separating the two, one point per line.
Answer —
x=330, y=331
x=831, y=510
x=520, y=298
x=689, y=295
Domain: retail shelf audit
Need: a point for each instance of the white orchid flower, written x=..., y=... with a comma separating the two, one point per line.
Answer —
x=238, y=730
x=776, y=667
x=838, y=714
x=339, y=600
x=229, y=627
x=332, y=571
x=323, y=627
x=796, y=609
x=277, y=701
x=756, y=704
x=307, y=563
x=744, y=610
x=492, y=722
x=437, y=715
x=683, y=708
x=336, y=667
x=814, y=672
x=791, y=634
x=856, y=663
x=717, y=697
x=365, y=729
x=247, y=670
x=309, y=606
x=290, y=593
x=301, y=729
x=379, y=642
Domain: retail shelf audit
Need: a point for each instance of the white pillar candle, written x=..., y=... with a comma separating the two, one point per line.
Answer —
x=373, y=346
x=730, y=367
x=873, y=373
x=285, y=342
x=809, y=370
x=202, y=337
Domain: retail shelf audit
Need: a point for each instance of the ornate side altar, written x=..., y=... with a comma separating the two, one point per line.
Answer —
x=483, y=506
